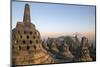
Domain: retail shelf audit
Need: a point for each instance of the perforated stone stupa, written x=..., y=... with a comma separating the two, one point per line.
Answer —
x=26, y=43
x=85, y=53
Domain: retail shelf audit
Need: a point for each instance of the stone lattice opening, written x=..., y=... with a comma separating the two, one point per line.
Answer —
x=20, y=36
x=31, y=32
x=28, y=47
x=31, y=42
x=27, y=37
x=33, y=37
x=19, y=47
x=37, y=41
x=34, y=46
x=24, y=42
x=25, y=32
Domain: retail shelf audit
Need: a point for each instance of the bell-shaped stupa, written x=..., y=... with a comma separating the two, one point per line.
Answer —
x=26, y=43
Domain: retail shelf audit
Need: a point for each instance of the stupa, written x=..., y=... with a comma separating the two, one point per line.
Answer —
x=26, y=43
x=66, y=52
x=85, y=53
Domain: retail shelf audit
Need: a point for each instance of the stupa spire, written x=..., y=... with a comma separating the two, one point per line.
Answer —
x=27, y=14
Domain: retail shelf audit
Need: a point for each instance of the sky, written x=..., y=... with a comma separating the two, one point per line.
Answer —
x=57, y=19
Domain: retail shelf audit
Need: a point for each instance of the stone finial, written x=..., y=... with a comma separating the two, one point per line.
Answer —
x=27, y=14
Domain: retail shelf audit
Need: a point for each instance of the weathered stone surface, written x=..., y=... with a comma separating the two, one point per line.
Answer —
x=85, y=53
x=66, y=52
x=26, y=43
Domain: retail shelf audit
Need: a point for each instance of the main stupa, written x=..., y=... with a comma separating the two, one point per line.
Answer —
x=26, y=43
